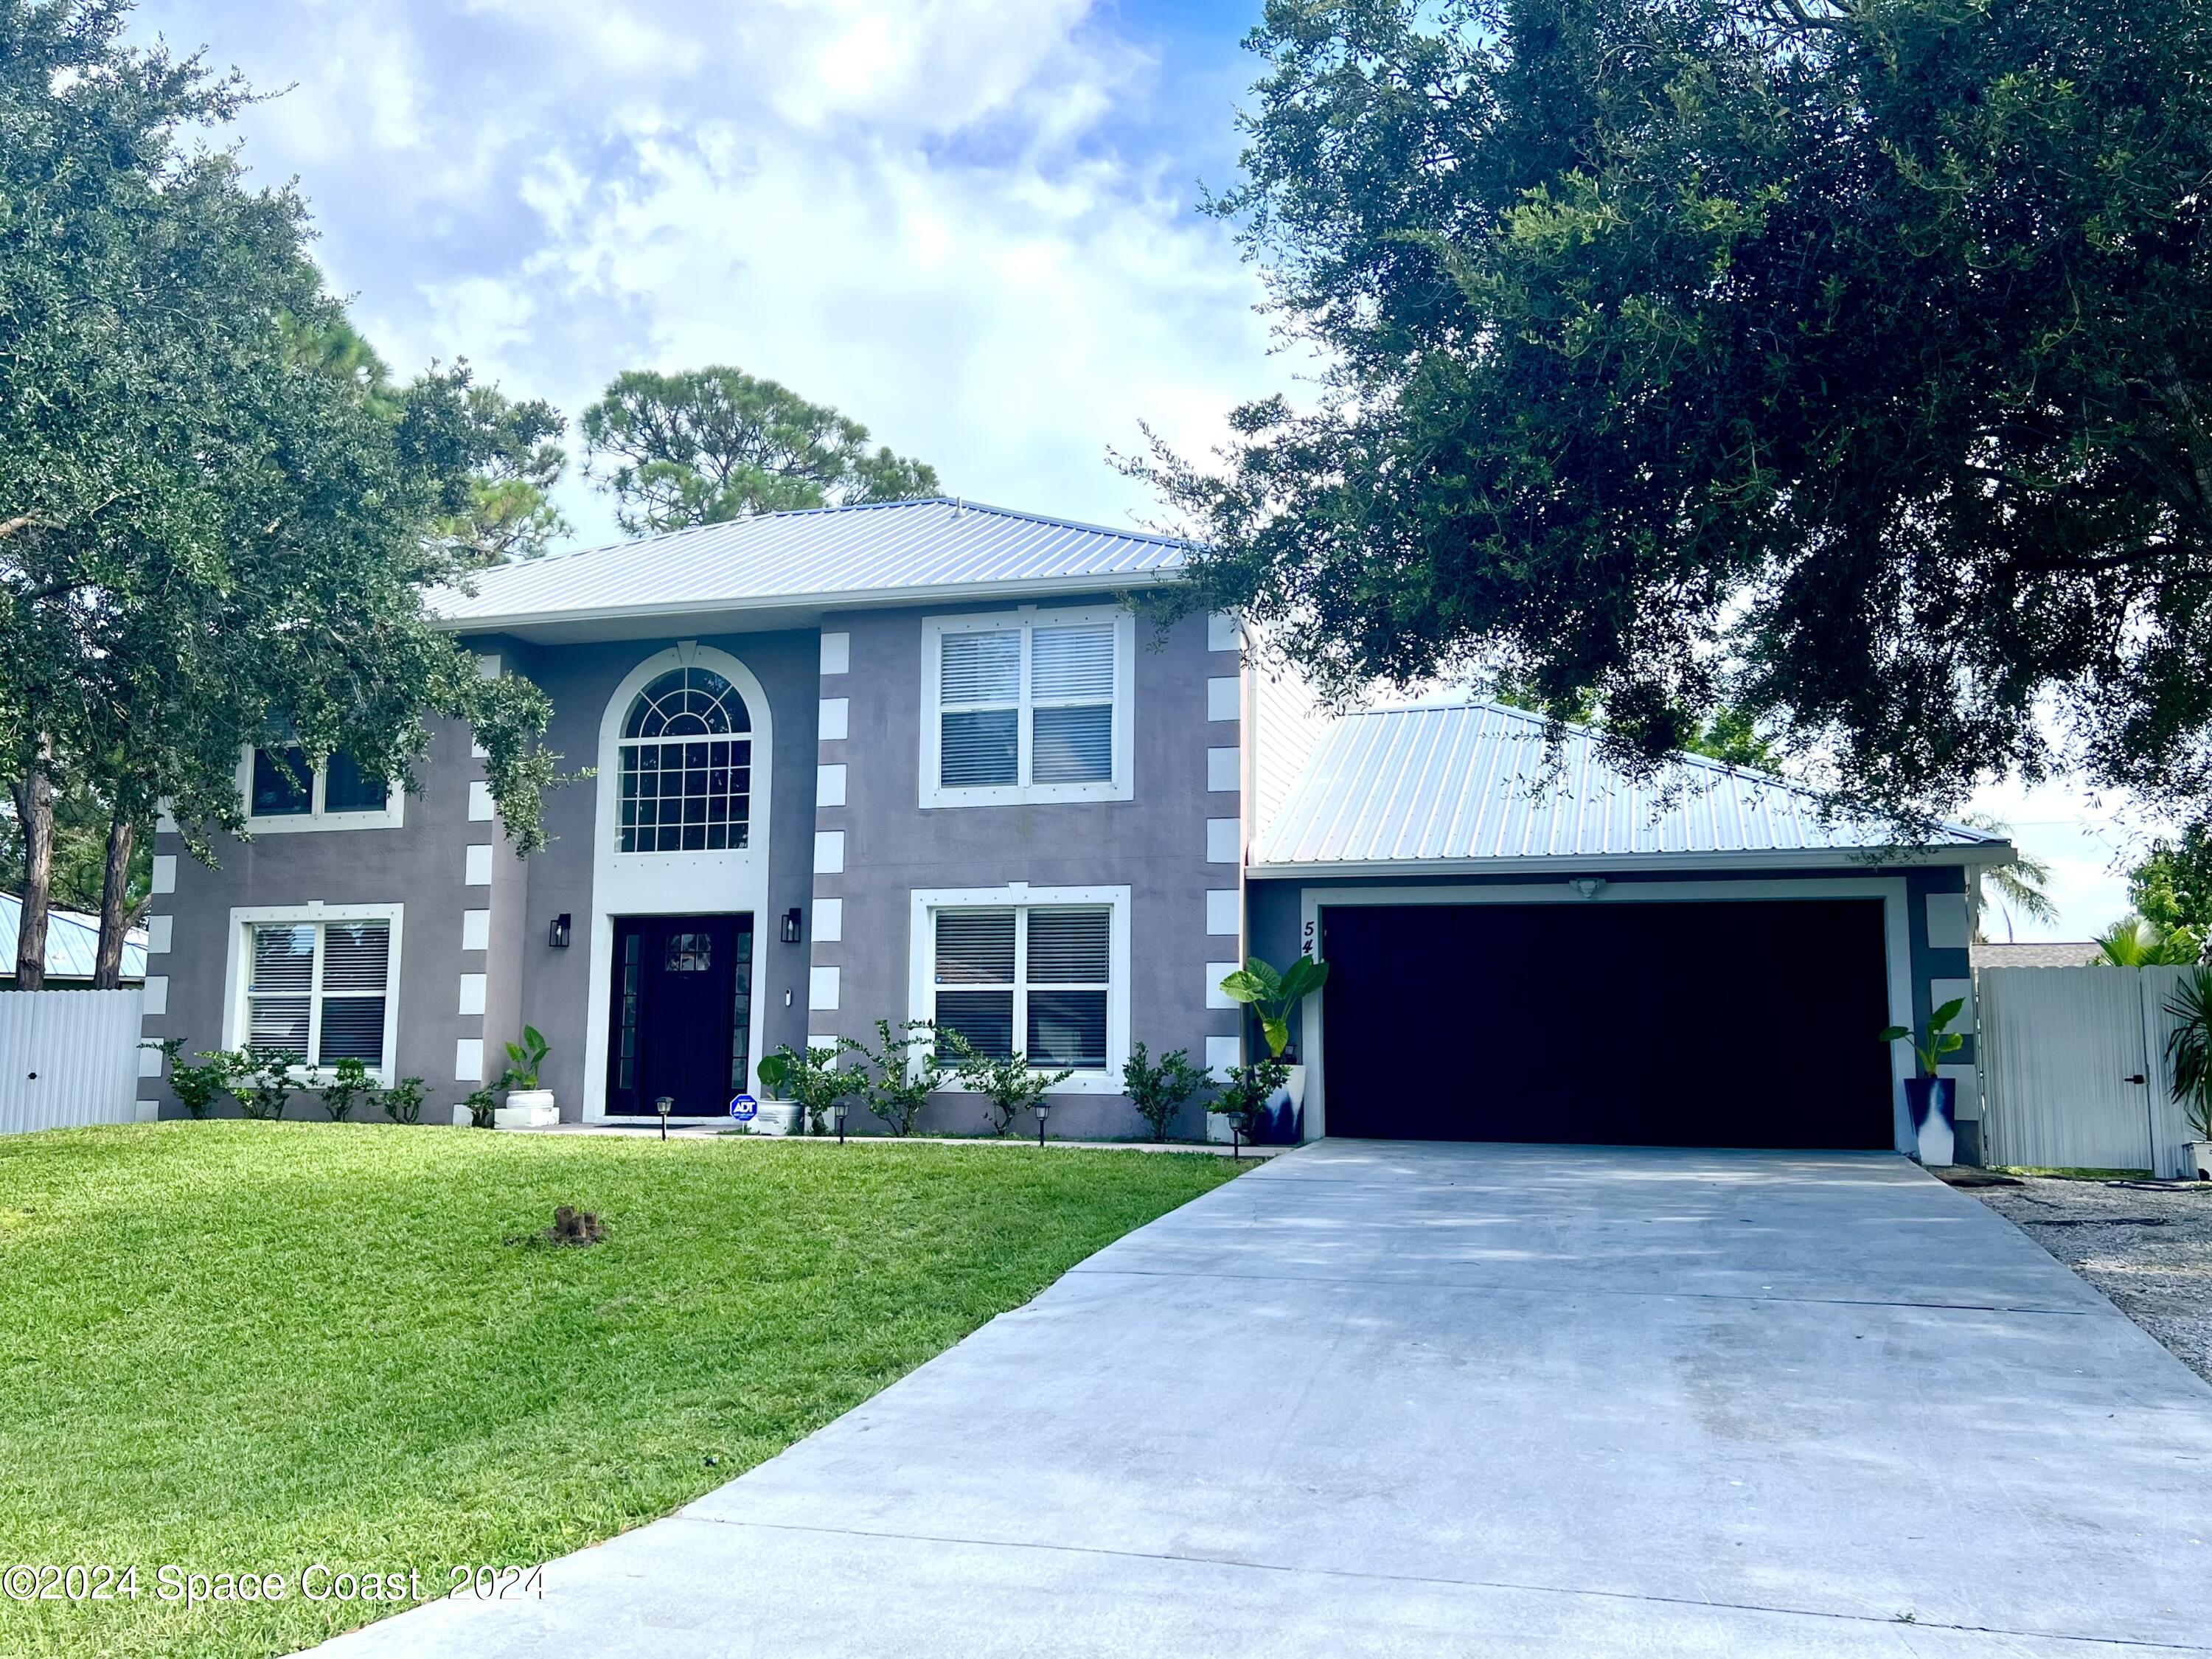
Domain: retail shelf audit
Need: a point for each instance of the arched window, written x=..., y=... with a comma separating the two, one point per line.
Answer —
x=687, y=765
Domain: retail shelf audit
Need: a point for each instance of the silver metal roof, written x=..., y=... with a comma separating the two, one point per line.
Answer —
x=72, y=943
x=1473, y=784
x=829, y=556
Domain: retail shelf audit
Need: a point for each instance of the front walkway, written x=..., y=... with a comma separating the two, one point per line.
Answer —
x=1382, y=1398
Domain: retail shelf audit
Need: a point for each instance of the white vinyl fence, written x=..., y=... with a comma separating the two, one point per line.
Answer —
x=2074, y=1074
x=68, y=1057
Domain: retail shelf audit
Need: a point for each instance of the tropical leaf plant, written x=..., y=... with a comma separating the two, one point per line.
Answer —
x=1940, y=1039
x=1271, y=995
x=524, y=1059
x=2135, y=941
x=2189, y=1049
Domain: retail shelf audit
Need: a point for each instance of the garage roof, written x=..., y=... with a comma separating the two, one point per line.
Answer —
x=931, y=548
x=72, y=943
x=1399, y=790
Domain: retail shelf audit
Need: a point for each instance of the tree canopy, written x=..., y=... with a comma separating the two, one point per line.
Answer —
x=713, y=444
x=2172, y=890
x=217, y=522
x=1842, y=362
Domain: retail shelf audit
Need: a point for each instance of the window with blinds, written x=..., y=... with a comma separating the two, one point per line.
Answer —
x=1033, y=981
x=1031, y=705
x=319, y=990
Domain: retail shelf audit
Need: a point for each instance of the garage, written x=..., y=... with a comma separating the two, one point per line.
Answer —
x=1611, y=1023
x=1527, y=942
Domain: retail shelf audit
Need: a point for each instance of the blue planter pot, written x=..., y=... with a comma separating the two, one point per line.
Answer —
x=1935, y=1121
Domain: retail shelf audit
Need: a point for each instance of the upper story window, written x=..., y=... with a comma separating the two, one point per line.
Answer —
x=1035, y=706
x=686, y=765
x=284, y=793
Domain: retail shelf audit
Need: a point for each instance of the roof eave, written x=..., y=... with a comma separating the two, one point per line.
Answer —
x=841, y=599
x=1867, y=859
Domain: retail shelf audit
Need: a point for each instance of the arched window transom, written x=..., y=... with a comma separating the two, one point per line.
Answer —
x=686, y=765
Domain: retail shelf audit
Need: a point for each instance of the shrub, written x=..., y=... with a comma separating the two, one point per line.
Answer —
x=482, y=1105
x=196, y=1087
x=811, y=1079
x=901, y=1072
x=1009, y=1086
x=1160, y=1092
x=402, y=1100
x=259, y=1079
x=1245, y=1096
x=350, y=1082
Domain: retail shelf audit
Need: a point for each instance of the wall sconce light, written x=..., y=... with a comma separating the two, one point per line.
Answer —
x=790, y=919
x=557, y=934
x=1587, y=885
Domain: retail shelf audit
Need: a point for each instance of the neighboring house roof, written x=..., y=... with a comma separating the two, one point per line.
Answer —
x=1472, y=784
x=2039, y=953
x=72, y=943
x=937, y=548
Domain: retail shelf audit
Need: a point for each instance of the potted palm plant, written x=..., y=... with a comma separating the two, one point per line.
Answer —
x=1272, y=995
x=1931, y=1098
x=2189, y=1057
x=528, y=1106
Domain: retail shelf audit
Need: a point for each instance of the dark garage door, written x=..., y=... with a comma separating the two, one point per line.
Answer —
x=1748, y=1023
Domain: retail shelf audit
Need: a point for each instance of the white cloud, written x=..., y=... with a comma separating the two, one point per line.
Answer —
x=948, y=218
x=2088, y=838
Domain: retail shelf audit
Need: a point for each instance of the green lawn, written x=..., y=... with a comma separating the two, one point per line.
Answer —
x=252, y=1346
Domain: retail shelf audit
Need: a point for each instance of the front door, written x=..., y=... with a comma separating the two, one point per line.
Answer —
x=682, y=1015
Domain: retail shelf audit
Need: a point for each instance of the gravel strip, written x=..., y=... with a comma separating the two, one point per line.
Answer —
x=2149, y=1247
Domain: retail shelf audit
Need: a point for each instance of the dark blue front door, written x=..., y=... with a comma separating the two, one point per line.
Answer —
x=682, y=1014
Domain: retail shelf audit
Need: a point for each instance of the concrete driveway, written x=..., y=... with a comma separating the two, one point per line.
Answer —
x=1395, y=1399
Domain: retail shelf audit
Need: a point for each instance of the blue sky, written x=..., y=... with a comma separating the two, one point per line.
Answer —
x=970, y=224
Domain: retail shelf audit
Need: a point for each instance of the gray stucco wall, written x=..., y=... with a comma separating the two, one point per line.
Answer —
x=581, y=680
x=419, y=864
x=423, y=864
x=1155, y=843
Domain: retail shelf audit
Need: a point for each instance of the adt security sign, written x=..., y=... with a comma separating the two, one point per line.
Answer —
x=744, y=1109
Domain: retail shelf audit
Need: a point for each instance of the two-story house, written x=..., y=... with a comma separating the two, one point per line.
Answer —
x=932, y=761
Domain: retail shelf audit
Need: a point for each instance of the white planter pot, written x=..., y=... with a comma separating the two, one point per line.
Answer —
x=462, y=1119
x=777, y=1117
x=2196, y=1160
x=1938, y=1143
x=527, y=1108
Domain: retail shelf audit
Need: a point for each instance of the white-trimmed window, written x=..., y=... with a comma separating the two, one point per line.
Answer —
x=1041, y=972
x=319, y=982
x=283, y=793
x=687, y=766
x=1028, y=705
